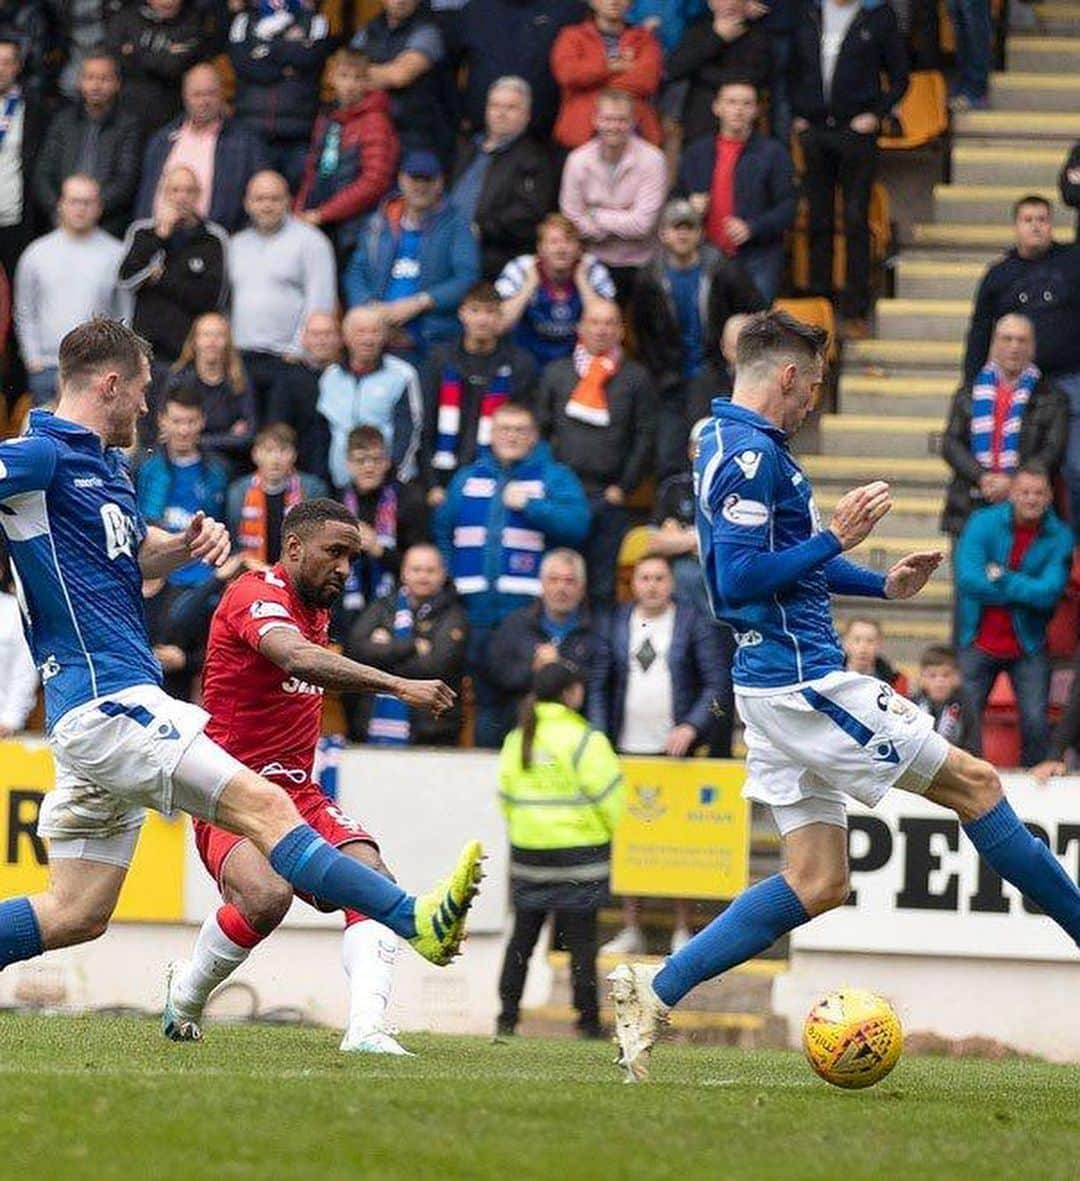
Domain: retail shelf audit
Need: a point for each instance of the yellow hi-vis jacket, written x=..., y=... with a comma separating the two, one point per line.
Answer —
x=573, y=793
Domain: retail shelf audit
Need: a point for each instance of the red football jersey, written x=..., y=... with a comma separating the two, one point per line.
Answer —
x=267, y=719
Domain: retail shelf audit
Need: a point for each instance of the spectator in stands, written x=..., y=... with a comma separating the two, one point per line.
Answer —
x=612, y=190
x=544, y=294
x=392, y=518
x=743, y=184
x=18, y=676
x=598, y=410
x=501, y=514
x=500, y=37
x=864, y=648
x=717, y=374
x=561, y=790
x=210, y=364
x=280, y=270
x=723, y=44
x=1069, y=181
x=257, y=504
x=665, y=19
x=62, y=279
x=941, y=694
x=1008, y=416
x=353, y=156
x=604, y=53
x=673, y=532
x=504, y=179
x=223, y=152
x=82, y=34
x=1066, y=736
x=374, y=389
x=657, y=671
x=464, y=382
x=973, y=28
x=25, y=121
x=296, y=399
x=97, y=137
x=1040, y=279
x=33, y=28
x=418, y=631
x=179, y=480
x=409, y=61
x=838, y=99
x=154, y=43
x=416, y=259
x=780, y=24
x=678, y=310
x=1011, y=565
x=557, y=627
x=278, y=52
x=174, y=266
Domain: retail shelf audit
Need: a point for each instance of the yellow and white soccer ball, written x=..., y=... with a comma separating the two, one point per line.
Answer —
x=852, y=1038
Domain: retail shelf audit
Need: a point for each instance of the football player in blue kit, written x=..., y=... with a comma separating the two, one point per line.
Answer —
x=814, y=733
x=81, y=552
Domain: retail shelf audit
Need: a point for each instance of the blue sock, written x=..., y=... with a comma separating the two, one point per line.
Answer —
x=753, y=922
x=1024, y=860
x=20, y=935
x=313, y=866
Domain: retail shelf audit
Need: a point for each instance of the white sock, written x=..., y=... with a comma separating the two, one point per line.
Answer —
x=368, y=951
x=213, y=960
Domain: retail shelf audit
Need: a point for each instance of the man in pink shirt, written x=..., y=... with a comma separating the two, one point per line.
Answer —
x=613, y=188
x=222, y=153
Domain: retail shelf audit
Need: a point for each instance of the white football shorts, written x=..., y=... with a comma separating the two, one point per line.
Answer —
x=120, y=754
x=842, y=735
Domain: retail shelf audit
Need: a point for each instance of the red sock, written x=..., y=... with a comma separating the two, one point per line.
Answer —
x=237, y=928
x=354, y=916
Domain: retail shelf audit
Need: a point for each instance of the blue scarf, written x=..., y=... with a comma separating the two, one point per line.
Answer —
x=391, y=724
x=983, y=399
x=451, y=396
x=368, y=578
x=520, y=544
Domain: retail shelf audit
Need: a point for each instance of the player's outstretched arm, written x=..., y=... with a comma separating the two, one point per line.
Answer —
x=204, y=539
x=309, y=662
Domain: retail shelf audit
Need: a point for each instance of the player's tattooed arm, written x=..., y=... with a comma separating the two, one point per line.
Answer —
x=319, y=666
x=204, y=539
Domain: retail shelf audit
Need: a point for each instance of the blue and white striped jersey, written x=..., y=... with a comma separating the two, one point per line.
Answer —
x=753, y=498
x=74, y=531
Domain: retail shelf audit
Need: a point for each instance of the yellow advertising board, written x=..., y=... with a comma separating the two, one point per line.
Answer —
x=685, y=832
x=154, y=890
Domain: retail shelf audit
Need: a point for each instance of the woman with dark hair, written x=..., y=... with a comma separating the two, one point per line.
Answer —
x=210, y=363
x=561, y=790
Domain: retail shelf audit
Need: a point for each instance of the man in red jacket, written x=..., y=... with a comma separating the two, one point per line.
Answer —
x=353, y=156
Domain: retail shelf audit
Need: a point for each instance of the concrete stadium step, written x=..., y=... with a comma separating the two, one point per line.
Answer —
x=1058, y=124
x=1037, y=93
x=997, y=238
x=880, y=552
x=1056, y=17
x=907, y=477
x=928, y=278
x=903, y=396
x=984, y=204
x=1000, y=164
x=912, y=516
x=879, y=356
x=1043, y=55
x=887, y=436
x=923, y=319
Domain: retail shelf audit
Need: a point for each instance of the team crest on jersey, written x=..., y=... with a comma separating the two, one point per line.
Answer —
x=748, y=513
x=120, y=535
x=749, y=639
x=748, y=463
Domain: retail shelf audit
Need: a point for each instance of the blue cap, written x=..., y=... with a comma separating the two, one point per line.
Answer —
x=422, y=163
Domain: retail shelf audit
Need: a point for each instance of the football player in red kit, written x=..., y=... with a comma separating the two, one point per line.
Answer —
x=266, y=668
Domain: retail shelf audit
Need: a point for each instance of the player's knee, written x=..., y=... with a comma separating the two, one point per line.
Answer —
x=80, y=924
x=982, y=786
x=264, y=903
x=823, y=890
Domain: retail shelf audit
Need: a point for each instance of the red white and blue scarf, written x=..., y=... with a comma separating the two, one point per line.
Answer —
x=983, y=400
x=391, y=722
x=451, y=394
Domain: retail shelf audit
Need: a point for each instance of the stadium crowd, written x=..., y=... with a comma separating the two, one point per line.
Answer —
x=476, y=270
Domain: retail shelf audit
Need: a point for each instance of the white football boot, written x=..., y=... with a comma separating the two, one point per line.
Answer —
x=640, y=1016
x=177, y=1025
x=374, y=1041
x=629, y=941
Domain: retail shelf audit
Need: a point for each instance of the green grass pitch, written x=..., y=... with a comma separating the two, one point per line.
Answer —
x=95, y=1098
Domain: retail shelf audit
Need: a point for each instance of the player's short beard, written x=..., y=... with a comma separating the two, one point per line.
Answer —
x=312, y=596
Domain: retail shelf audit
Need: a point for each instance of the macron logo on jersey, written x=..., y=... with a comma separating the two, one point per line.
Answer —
x=748, y=463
